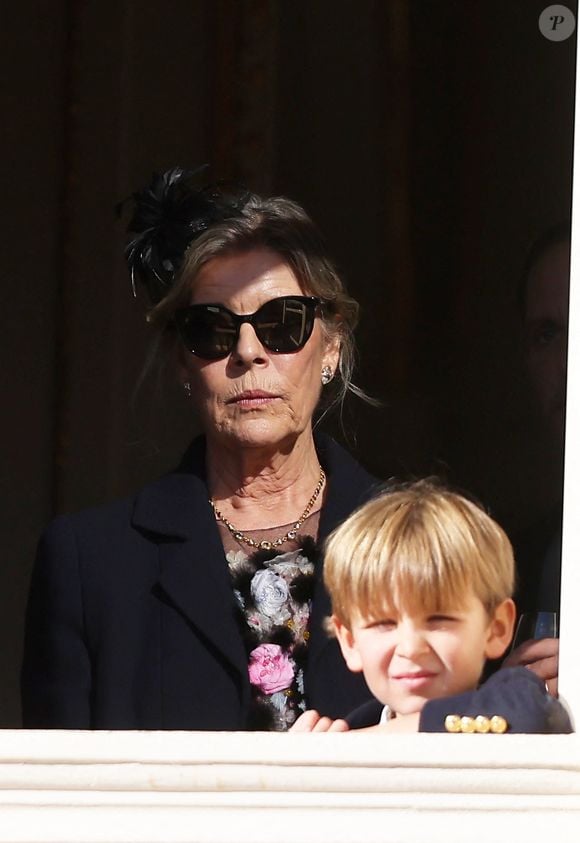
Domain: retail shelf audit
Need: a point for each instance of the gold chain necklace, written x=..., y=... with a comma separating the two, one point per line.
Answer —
x=291, y=534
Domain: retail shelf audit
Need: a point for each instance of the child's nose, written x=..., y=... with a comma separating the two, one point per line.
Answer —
x=411, y=641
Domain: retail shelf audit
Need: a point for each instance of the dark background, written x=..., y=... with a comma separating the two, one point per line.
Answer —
x=431, y=141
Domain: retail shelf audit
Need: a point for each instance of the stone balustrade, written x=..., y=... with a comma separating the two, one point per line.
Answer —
x=164, y=787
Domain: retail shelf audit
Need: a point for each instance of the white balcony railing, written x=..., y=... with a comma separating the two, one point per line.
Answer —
x=252, y=788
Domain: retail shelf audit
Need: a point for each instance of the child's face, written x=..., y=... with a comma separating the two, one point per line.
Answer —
x=410, y=658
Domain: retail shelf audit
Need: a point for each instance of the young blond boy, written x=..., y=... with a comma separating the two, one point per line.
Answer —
x=420, y=580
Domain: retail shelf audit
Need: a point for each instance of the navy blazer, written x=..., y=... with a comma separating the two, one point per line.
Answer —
x=514, y=693
x=131, y=622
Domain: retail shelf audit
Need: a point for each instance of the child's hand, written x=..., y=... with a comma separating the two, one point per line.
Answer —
x=311, y=721
x=541, y=657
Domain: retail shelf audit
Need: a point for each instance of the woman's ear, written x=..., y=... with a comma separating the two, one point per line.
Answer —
x=331, y=354
x=501, y=629
x=348, y=645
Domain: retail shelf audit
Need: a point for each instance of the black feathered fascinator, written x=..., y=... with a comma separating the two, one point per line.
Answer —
x=167, y=216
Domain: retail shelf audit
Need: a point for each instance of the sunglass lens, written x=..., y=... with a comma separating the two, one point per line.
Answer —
x=208, y=331
x=285, y=324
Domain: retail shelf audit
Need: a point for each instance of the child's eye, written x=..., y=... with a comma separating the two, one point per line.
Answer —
x=442, y=620
x=383, y=625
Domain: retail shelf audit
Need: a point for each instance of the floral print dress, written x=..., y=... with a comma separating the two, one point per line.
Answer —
x=273, y=592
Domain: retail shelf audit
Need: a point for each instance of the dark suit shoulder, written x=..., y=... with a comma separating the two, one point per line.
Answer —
x=515, y=694
x=94, y=517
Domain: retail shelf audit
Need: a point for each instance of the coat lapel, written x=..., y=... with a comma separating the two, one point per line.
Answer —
x=174, y=512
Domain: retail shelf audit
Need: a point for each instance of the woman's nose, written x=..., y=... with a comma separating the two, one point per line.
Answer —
x=248, y=349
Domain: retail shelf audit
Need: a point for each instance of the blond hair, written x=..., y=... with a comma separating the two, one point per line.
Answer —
x=421, y=547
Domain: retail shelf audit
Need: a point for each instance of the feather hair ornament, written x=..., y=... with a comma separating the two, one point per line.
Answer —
x=167, y=217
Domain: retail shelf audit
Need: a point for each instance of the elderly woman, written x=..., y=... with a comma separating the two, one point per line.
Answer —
x=198, y=603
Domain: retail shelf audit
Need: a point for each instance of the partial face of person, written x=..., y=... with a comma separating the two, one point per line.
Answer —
x=254, y=397
x=546, y=326
x=410, y=658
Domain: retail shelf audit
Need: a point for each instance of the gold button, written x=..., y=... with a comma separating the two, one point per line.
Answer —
x=498, y=725
x=482, y=724
x=467, y=725
x=453, y=723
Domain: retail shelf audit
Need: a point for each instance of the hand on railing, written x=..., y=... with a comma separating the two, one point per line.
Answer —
x=311, y=721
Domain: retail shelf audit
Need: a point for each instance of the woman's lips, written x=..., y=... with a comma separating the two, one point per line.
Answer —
x=252, y=398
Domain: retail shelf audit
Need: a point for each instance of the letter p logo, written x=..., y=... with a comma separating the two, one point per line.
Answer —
x=557, y=22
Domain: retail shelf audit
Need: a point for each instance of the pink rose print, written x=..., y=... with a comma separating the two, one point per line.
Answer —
x=270, y=668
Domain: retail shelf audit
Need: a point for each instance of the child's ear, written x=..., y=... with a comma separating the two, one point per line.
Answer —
x=347, y=645
x=500, y=629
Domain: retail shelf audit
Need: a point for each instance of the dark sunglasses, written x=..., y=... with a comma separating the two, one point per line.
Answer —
x=284, y=325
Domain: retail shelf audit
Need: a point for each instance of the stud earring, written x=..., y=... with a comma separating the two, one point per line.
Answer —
x=187, y=389
x=326, y=375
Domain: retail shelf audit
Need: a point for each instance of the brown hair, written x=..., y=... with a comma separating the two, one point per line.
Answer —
x=420, y=546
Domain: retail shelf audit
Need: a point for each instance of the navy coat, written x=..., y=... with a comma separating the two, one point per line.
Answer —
x=131, y=621
x=514, y=693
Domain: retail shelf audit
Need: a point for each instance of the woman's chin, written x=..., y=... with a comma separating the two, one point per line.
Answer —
x=256, y=433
